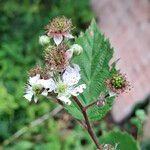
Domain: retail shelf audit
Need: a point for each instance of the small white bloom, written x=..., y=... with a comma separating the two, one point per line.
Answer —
x=44, y=40
x=38, y=86
x=76, y=49
x=33, y=88
x=67, y=86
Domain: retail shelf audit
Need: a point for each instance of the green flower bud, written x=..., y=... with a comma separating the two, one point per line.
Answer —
x=44, y=40
x=77, y=49
x=141, y=114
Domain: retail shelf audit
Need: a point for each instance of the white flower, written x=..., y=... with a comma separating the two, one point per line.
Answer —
x=76, y=49
x=67, y=85
x=38, y=86
x=44, y=40
x=33, y=88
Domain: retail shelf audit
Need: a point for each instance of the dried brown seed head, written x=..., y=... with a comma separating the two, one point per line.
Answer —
x=38, y=70
x=34, y=71
x=56, y=57
x=59, y=25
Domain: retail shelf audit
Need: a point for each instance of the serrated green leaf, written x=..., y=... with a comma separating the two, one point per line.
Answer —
x=97, y=112
x=94, y=64
x=123, y=140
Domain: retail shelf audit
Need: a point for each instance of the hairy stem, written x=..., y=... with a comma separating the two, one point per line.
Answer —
x=87, y=122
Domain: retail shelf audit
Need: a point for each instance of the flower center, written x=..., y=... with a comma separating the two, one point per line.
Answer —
x=61, y=88
x=118, y=81
x=37, y=89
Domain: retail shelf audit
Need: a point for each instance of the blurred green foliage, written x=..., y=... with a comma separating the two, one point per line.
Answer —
x=21, y=23
x=120, y=140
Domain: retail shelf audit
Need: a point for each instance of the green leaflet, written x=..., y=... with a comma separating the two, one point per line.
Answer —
x=97, y=113
x=123, y=140
x=74, y=111
x=94, y=64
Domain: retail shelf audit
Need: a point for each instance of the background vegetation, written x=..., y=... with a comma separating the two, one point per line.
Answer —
x=21, y=23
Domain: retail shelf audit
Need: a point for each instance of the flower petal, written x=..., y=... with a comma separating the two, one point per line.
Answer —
x=58, y=39
x=28, y=96
x=68, y=35
x=76, y=67
x=71, y=76
x=69, y=54
x=65, y=99
x=48, y=84
x=34, y=80
x=35, y=99
x=44, y=93
x=77, y=90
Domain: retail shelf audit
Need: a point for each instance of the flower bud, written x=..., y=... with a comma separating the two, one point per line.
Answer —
x=141, y=115
x=44, y=40
x=76, y=49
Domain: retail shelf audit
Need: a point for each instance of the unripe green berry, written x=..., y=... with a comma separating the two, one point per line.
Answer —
x=118, y=81
x=76, y=49
x=44, y=40
x=141, y=114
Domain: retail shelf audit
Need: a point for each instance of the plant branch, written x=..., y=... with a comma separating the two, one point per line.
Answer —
x=87, y=122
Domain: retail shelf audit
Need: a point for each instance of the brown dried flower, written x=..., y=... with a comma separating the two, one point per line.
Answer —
x=57, y=58
x=38, y=70
x=58, y=28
